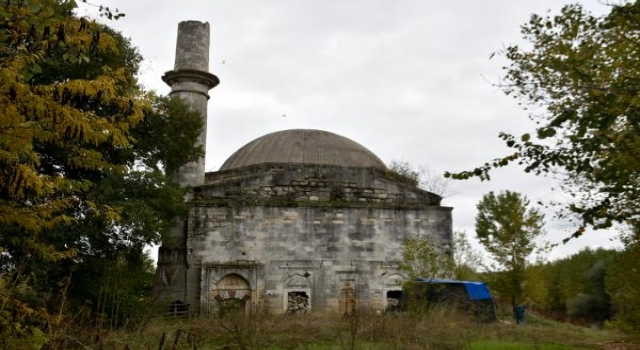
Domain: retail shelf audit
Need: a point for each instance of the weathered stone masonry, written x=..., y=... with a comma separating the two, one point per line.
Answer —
x=295, y=220
x=330, y=229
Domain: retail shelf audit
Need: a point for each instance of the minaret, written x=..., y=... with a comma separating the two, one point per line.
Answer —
x=191, y=81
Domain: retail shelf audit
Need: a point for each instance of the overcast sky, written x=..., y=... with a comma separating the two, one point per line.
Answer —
x=411, y=80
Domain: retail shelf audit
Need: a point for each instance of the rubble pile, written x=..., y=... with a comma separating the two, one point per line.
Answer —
x=298, y=303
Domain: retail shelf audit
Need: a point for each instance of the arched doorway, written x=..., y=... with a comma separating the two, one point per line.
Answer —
x=230, y=294
x=392, y=292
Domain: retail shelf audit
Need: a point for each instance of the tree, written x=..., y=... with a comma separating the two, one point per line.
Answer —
x=83, y=154
x=536, y=289
x=147, y=201
x=403, y=172
x=422, y=177
x=508, y=229
x=593, y=303
x=467, y=260
x=74, y=115
x=64, y=108
x=583, y=74
x=423, y=258
x=574, y=285
x=623, y=282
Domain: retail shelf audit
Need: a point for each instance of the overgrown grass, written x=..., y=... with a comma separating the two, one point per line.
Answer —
x=484, y=345
x=439, y=329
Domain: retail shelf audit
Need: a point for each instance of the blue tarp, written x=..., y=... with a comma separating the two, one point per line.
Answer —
x=475, y=290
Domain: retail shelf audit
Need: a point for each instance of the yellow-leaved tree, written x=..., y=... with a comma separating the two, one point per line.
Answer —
x=59, y=100
x=79, y=116
x=82, y=157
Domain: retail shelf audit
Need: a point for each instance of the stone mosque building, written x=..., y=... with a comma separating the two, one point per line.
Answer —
x=294, y=220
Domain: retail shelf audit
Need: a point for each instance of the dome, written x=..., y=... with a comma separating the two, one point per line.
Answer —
x=300, y=146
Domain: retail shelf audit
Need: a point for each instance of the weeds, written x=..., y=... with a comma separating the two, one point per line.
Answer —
x=256, y=329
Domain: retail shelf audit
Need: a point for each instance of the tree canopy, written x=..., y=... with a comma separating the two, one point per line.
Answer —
x=85, y=158
x=421, y=257
x=508, y=229
x=583, y=72
x=467, y=261
x=58, y=95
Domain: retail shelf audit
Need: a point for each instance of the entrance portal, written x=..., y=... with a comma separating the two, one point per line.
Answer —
x=230, y=294
x=393, y=300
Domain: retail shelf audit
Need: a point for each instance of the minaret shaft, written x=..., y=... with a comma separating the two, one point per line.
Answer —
x=177, y=272
x=191, y=81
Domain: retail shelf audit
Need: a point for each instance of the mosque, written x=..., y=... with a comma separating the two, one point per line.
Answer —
x=293, y=221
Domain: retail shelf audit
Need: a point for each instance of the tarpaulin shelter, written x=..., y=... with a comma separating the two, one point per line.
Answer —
x=472, y=296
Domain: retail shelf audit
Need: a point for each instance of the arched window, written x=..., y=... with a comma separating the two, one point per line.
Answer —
x=297, y=294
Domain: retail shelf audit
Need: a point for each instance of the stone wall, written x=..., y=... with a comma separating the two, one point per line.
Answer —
x=333, y=234
x=332, y=248
x=288, y=184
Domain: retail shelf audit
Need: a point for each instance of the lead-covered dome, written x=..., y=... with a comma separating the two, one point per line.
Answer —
x=300, y=146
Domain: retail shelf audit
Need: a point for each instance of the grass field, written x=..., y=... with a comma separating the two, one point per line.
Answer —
x=365, y=330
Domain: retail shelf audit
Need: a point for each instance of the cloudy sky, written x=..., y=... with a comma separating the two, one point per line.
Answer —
x=412, y=80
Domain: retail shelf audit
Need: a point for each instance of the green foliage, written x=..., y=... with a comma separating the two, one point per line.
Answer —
x=403, y=172
x=535, y=289
x=421, y=257
x=21, y=324
x=119, y=290
x=584, y=72
x=508, y=229
x=579, y=288
x=467, y=261
x=576, y=284
x=84, y=163
x=69, y=113
x=593, y=302
x=623, y=285
x=105, y=11
x=421, y=176
x=166, y=138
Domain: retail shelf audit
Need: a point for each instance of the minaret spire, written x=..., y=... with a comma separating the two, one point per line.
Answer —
x=191, y=81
